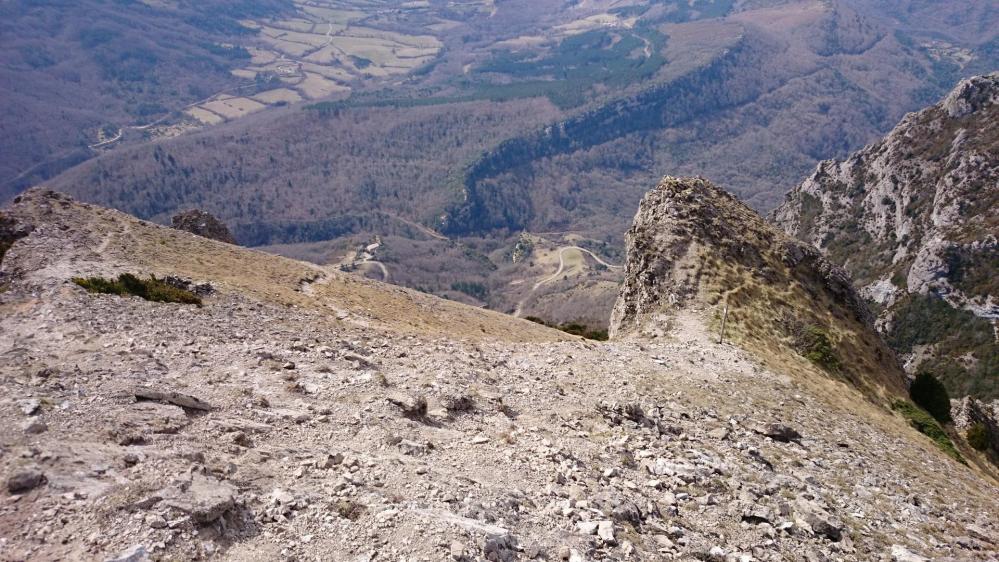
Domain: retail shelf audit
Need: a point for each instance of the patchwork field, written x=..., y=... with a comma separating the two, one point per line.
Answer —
x=324, y=51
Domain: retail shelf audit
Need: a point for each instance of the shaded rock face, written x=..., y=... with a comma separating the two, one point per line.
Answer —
x=10, y=232
x=694, y=247
x=203, y=224
x=914, y=218
x=968, y=412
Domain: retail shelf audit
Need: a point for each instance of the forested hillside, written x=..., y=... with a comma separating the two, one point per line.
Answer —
x=552, y=121
x=72, y=72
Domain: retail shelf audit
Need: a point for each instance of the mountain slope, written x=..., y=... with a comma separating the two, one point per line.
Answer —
x=282, y=418
x=694, y=246
x=914, y=218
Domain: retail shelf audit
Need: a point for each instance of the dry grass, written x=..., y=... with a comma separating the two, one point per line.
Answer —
x=163, y=251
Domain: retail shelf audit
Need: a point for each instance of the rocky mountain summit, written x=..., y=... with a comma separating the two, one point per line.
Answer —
x=295, y=412
x=204, y=224
x=914, y=218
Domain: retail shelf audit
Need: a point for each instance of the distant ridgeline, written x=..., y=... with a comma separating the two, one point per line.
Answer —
x=726, y=82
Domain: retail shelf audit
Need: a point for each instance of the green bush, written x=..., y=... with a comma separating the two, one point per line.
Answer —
x=151, y=289
x=819, y=350
x=573, y=328
x=931, y=395
x=978, y=436
x=925, y=424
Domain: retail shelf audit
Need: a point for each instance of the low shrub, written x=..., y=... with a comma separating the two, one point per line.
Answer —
x=573, y=328
x=819, y=349
x=924, y=423
x=931, y=395
x=978, y=437
x=151, y=289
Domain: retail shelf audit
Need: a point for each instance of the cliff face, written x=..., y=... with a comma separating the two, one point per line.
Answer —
x=694, y=247
x=914, y=218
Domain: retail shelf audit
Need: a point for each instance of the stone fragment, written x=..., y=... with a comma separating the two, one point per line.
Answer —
x=30, y=406
x=757, y=515
x=779, y=432
x=25, y=479
x=466, y=523
x=204, y=498
x=456, y=403
x=137, y=553
x=824, y=526
x=605, y=530
x=411, y=406
x=330, y=460
x=34, y=426
x=171, y=397
x=901, y=554
x=719, y=433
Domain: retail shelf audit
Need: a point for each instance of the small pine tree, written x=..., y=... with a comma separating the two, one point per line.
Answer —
x=931, y=395
x=978, y=436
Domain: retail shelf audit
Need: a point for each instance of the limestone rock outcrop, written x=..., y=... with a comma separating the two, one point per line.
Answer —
x=914, y=218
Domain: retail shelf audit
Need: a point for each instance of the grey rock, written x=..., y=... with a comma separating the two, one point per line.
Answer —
x=30, y=406
x=137, y=553
x=901, y=554
x=34, y=426
x=824, y=526
x=605, y=530
x=779, y=432
x=204, y=498
x=171, y=397
x=411, y=406
x=971, y=95
x=24, y=480
x=719, y=433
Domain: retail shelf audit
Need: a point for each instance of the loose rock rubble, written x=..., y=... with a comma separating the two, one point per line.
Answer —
x=531, y=450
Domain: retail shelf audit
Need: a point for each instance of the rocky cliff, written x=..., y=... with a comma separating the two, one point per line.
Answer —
x=295, y=412
x=693, y=246
x=915, y=219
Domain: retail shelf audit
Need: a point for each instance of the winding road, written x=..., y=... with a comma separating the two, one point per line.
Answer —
x=561, y=264
x=561, y=267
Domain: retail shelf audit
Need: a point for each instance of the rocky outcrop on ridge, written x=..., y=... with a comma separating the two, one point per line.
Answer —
x=203, y=224
x=914, y=218
x=301, y=413
x=694, y=246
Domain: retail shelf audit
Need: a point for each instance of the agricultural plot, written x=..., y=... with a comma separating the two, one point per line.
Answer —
x=324, y=50
x=332, y=41
x=204, y=116
x=329, y=48
x=233, y=107
x=278, y=95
